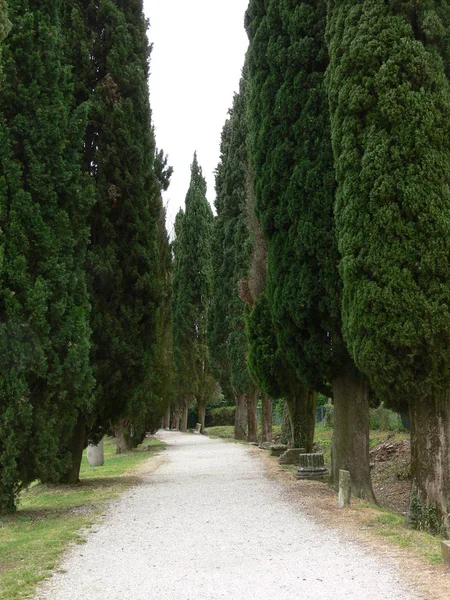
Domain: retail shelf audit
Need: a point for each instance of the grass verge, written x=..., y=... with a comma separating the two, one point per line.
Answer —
x=50, y=517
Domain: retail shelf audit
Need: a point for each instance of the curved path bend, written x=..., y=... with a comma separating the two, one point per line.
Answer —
x=208, y=525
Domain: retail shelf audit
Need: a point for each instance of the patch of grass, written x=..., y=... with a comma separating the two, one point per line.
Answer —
x=50, y=517
x=392, y=526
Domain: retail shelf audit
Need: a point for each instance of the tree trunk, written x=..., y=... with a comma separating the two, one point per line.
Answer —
x=184, y=416
x=286, y=429
x=167, y=418
x=123, y=437
x=176, y=417
x=201, y=415
x=430, y=460
x=240, y=419
x=252, y=416
x=266, y=433
x=350, y=444
x=76, y=447
x=302, y=414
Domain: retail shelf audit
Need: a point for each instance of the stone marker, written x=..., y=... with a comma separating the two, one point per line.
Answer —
x=445, y=548
x=312, y=467
x=96, y=455
x=198, y=428
x=345, y=489
x=291, y=456
x=278, y=449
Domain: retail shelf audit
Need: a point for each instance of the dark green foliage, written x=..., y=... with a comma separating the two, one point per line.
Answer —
x=46, y=378
x=231, y=256
x=111, y=55
x=390, y=109
x=192, y=292
x=294, y=182
x=5, y=23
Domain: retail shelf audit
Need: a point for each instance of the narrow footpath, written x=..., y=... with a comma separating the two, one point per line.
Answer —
x=208, y=525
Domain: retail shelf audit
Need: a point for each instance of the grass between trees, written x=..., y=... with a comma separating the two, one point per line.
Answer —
x=50, y=517
x=383, y=522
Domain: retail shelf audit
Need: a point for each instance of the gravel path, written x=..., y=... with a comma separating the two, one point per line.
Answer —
x=208, y=525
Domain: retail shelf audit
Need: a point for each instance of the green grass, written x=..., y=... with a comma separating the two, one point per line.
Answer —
x=392, y=526
x=50, y=517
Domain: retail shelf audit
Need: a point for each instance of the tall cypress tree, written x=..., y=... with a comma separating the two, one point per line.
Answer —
x=192, y=291
x=44, y=202
x=390, y=109
x=231, y=264
x=111, y=54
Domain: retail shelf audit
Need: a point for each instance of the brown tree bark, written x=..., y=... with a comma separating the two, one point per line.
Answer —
x=184, y=416
x=201, y=415
x=430, y=463
x=76, y=446
x=175, y=417
x=252, y=416
x=350, y=444
x=302, y=414
x=240, y=419
x=167, y=418
x=286, y=429
x=266, y=425
x=123, y=438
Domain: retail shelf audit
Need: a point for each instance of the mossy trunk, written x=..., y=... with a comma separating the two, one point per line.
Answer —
x=167, y=418
x=266, y=419
x=240, y=419
x=430, y=464
x=184, y=416
x=286, y=429
x=175, y=417
x=123, y=437
x=302, y=415
x=76, y=447
x=252, y=416
x=350, y=444
x=201, y=415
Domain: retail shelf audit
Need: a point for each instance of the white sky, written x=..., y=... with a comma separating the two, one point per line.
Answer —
x=198, y=53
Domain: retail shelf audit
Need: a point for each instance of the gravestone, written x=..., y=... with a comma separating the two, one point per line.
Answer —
x=291, y=456
x=312, y=467
x=96, y=455
x=445, y=548
x=345, y=489
x=278, y=449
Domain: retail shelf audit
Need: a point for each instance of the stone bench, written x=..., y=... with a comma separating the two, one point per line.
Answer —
x=291, y=456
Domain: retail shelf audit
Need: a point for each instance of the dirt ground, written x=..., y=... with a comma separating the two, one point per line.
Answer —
x=319, y=501
x=391, y=474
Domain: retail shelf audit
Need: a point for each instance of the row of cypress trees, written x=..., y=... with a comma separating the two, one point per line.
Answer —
x=342, y=124
x=84, y=275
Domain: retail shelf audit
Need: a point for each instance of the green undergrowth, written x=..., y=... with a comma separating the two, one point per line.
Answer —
x=392, y=526
x=50, y=517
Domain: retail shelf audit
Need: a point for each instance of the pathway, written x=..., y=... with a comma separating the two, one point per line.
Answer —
x=209, y=525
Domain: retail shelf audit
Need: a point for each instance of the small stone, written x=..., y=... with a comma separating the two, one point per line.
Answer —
x=278, y=449
x=445, y=548
x=291, y=456
x=345, y=489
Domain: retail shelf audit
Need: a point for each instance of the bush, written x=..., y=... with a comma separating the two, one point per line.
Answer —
x=383, y=419
x=221, y=416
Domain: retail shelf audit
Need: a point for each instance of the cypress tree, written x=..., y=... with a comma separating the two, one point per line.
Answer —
x=111, y=63
x=231, y=265
x=44, y=202
x=390, y=112
x=192, y=294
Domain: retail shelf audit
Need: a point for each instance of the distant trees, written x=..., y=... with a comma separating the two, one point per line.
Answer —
x=192, y=296
x=390, y=112
x=46, y=378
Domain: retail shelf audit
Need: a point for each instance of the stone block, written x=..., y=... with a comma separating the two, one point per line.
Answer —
x=345, y=489
x=265, y=445
x=291, y=456
x=312, y=467
x=198, y=428
x=445, y=548
x=96, y=455
x=278, y=449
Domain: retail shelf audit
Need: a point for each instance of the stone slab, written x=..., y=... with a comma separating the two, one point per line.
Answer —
x=278, y=449
x=345, y=489
x=445, y=549
x=265, y=445
x=291, y=456
x=96, y=455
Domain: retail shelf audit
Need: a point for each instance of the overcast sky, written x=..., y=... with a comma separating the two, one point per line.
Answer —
x=198, y=54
